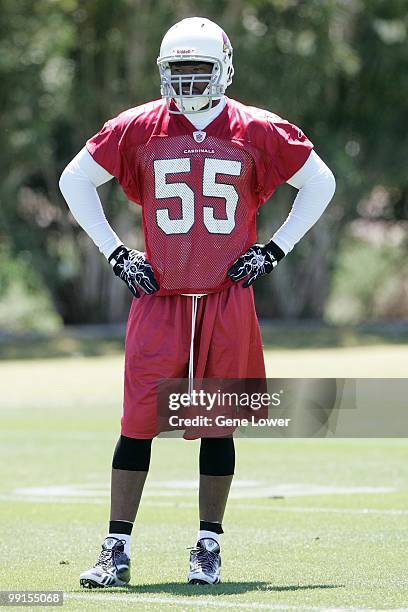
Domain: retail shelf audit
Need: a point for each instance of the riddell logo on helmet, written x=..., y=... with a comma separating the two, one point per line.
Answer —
x=184, y=51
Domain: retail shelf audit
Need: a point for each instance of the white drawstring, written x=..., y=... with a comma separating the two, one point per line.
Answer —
x=191, y=361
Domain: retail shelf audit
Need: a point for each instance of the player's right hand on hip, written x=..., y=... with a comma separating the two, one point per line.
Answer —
x=131, y=266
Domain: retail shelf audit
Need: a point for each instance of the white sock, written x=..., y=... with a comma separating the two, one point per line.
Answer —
x=202, y=533
x=122, y=536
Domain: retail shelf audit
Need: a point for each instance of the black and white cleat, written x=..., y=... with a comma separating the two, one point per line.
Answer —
x=111, y=569
x=205, y=563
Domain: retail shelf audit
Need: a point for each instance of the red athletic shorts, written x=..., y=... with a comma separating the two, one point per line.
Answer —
x=227, y=344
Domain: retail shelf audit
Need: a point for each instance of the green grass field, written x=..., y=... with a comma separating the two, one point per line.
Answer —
x=311, y=525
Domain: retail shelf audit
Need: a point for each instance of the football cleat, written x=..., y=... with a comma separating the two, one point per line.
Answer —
x=205, y=562
x=111, y=569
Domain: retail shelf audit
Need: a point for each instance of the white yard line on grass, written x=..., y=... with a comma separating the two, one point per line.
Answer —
x=241, y=489
x=244, y=496
x=214, y=603
x=389, y=512
x=32, y=499
x=386, y=512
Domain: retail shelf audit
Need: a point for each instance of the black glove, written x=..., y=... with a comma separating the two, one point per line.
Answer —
x=131, y=266
x=258, y=260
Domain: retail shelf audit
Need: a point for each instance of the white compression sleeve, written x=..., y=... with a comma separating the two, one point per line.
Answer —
x=83, y=175
x=78, y=185
x=316, y=185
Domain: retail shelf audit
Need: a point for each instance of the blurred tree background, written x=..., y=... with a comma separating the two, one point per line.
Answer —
x=339, y=69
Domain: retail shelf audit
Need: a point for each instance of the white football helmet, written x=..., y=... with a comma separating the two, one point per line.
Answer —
x=195, y=39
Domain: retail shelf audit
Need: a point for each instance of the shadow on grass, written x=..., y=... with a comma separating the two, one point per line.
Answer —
x=225, y=588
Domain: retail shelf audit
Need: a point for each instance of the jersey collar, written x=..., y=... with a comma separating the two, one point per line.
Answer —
x=211, y=129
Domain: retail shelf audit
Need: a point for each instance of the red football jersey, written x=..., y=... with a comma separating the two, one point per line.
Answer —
x=199, y=189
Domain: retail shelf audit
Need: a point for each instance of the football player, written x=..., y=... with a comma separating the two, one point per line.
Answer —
x=200, y=165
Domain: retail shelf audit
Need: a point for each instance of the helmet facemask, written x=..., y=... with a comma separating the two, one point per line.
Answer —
x=190, y=100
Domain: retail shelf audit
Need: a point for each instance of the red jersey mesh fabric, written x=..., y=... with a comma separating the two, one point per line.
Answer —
x=200, y=189
x=199, y=210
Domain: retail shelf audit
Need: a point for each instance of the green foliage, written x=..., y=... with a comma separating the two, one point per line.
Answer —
x=24, y=301
x=369, y=282
x=339, y=70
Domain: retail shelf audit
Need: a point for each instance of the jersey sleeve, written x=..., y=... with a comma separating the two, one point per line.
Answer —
x=108, y=149
x=286, y=150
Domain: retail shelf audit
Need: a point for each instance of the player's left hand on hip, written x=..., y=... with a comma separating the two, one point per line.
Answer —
x=133, y=268
x=258, y=260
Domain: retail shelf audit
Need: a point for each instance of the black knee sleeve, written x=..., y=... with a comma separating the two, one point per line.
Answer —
x=217, y=456
x=132, y=454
